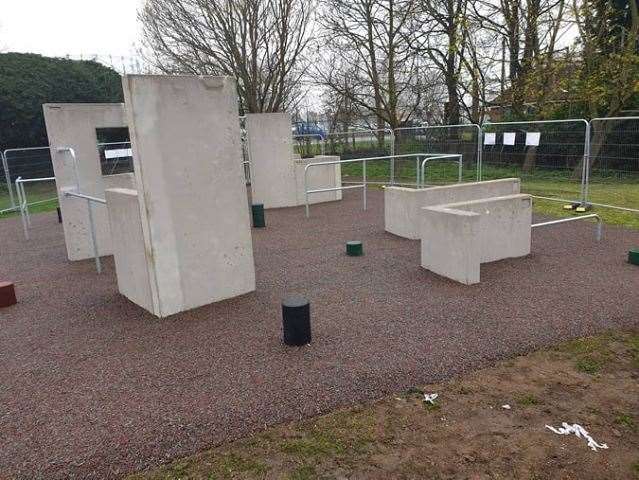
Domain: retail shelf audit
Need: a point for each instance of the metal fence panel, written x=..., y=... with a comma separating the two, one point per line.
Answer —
x=32, y=162
x=548, y=155
x=613, y=175
x=441, y=139
x=356, y=144
x=115, y=158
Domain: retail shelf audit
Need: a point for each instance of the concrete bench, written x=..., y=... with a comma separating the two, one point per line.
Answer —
x=402, y=205
x=457, y=238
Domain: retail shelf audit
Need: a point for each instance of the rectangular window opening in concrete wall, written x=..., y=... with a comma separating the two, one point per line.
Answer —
x=114, y=145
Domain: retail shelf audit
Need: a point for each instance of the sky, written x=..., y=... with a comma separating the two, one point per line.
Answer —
x=69, y=27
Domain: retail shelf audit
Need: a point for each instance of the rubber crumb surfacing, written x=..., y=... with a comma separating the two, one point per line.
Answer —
x=92, y=386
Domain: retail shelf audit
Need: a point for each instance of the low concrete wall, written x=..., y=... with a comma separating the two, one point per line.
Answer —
x=457, y=238
x=325, y=176
x=402, y=204
x=128, y=246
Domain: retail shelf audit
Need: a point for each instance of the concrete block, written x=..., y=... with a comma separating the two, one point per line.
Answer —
x=270, y=143
x=457, y=238
x=7, y=294
x=74, y=125
x=128, y=246
x=325, y=176
x=402, y=205
x=192, y=195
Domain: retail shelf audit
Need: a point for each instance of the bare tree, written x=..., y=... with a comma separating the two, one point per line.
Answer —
x=259, y=42
x=371, y=61
x=530, y=29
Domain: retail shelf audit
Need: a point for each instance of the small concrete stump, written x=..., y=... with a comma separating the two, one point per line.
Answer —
x=7, y=294
x=296, y=319
x=633, y=256
x=354, y=249
x=257, y=212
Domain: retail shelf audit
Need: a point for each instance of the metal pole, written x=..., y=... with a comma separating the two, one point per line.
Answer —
x=364, y=178
x=98, y=264
x=306, y=189
x=598, y=231
x=392, y=152
x=25, y=228
x=7, y=178
x=480, y=138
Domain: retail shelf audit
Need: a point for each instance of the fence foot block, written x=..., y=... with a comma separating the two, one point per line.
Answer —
x=7, y=294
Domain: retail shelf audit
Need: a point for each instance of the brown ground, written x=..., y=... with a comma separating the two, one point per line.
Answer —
x=91, y=386
x=467, y=434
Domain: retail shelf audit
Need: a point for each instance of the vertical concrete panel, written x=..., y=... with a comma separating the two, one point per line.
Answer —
x=74, y=125
x=272, y=169
x=193, y=202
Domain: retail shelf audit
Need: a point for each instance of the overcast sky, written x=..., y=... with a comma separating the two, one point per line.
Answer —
x=69, y=27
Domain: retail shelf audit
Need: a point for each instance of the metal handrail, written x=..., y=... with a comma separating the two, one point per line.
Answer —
x=352, y=160
x=598, y=231
x=459, y=162
x=94, y=242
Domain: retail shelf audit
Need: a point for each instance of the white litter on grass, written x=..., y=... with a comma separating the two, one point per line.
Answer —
x=506, y=407
x=430, y=398
x=579, y=431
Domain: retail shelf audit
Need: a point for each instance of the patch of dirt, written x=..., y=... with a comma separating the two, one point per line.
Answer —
x=467, y=434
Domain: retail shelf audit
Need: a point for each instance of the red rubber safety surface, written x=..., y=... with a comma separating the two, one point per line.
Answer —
x=92, y=386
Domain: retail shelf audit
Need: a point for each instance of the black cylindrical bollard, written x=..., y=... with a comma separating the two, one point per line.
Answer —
x=296, y=320
x=257, y=210
x=354, y=249
x=59, y=215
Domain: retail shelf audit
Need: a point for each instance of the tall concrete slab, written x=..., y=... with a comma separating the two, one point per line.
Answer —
x=74, y=125
x=191, y=189
x=270, y=143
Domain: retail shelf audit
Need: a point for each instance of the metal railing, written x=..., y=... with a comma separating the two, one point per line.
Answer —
x=359, y=185
x=598, y=231
x=90, y=200
x=23, y=203
x=427, y=128
x=454, y=157
x=8, y=176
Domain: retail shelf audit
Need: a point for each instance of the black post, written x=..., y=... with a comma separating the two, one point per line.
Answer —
x=296, y=319
x=59, y=215
x=257, y=211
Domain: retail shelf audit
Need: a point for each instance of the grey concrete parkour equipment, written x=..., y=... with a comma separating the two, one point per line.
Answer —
x=402, y=205
x=458, y=237
x=277, y=174
x=185, y=234
x=73, y=125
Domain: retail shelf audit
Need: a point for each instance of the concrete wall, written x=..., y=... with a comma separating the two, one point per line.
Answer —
x=270, y=142
x=457, y=238
x=402, y=205
x=128, y=246
x=192, y=195
x=74, y=125
x=326, y=176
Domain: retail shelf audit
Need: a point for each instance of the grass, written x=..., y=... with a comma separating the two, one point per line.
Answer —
x=392, y=438
x=37, y=192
